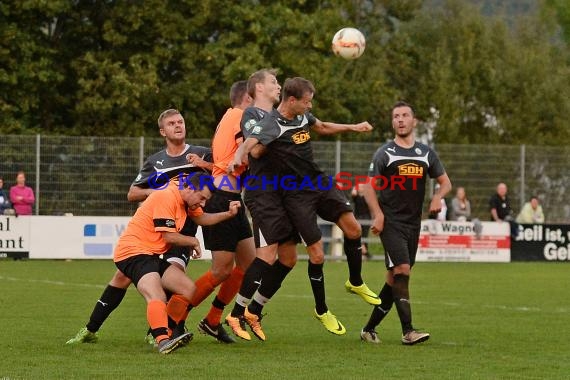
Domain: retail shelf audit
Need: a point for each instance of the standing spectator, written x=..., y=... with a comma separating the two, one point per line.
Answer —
x=531, y=212
x=460, y=206
x=500, y=205
x=4, y=199
x=22, y=196
x=362, y=214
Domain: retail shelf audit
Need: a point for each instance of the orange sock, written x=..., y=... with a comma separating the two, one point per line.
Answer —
x=226, y=294
x=157, y=319
x=205, y=285
x=177, y=308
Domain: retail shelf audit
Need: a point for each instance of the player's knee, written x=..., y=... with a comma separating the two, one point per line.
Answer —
x=349, y=226
x=354, y=231
x=317, y=257
x=119, y=280
x=288, y=260
x=221, y=273
x=188, y=291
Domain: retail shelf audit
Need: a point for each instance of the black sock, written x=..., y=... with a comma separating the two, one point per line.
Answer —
x=353, y=252
x=251, y=281
x=401, y=295
x=317, y=278
x=110, y=299
x=270, y=285
x=380, y=311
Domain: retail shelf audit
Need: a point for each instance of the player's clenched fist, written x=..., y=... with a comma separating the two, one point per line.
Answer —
x=234, y=207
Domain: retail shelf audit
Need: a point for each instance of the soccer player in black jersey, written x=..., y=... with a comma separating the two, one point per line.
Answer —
x=399, y=170
x=178, y=157
x=285, y=134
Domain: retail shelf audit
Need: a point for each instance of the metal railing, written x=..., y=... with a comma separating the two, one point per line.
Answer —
x=91, y=175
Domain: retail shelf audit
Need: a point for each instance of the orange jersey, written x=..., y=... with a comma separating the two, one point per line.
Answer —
x=226, y=140
x=163, y=211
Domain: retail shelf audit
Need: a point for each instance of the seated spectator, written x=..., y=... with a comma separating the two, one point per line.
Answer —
x=500, y=205
x=5, y=204
x=22, y=196
x=501, y=210
x=531, y=212
x=460, y=206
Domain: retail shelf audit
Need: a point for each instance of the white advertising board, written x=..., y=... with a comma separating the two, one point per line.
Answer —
x=66, y=237
x=464, y=241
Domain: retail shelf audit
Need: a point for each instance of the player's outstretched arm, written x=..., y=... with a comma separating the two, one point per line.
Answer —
x=208, y=219
x=138, y=194
x=330, y=128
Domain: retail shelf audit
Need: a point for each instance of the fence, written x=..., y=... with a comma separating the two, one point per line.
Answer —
x=91, y=175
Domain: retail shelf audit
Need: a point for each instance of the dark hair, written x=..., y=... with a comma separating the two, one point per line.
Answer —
x=237, y=91
x=258, y=77
x=534, y=197
x=297, y=87
x=198, y=181
x=402, y=103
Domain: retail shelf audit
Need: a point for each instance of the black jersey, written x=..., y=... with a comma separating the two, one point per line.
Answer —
x=401, y=179
x=160, y=164
x=289, y=149
x=249, y=122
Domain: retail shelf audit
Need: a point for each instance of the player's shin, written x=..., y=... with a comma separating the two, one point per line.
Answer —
x=317, y=278
x=109, y=300
x=380, y=311
x=353, y=252
x=401, y=294
x=157, y=319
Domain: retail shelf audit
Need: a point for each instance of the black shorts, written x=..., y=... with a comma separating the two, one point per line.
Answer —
x=136, y=267
x=181, y=254
x=270, y=221
x=225, y=236
x=304, y=206
x=400, y=244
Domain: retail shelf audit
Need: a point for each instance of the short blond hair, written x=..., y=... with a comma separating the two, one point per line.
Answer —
x=165, y=114
x=258, y=77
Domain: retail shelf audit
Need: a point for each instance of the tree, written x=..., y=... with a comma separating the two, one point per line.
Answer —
x=486, y=82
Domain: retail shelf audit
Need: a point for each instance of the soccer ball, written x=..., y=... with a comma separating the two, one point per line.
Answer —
x=348, y=43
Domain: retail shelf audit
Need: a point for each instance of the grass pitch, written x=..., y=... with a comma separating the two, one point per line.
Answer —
x=488, y=321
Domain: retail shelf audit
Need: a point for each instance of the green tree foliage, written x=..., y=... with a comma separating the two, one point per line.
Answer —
x=560, y=9
x=108, y=68
x=482, y=82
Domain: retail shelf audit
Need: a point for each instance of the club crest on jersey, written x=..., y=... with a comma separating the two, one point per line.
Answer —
x=301, y=137
x=249, y=124
x=411, y=170
x=418, y=151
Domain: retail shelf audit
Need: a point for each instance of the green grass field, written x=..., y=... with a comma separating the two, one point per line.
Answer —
x=488, y=321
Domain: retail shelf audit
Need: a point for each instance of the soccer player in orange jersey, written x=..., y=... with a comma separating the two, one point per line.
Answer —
x=232, y=240
x=178, y=158
x=155, y=227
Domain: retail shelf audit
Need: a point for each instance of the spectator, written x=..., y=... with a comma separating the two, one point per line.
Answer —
x=362, y=214
x=5, y=204
x=500, y=205
x=531, y=212
x=460, y=206
x=501, y=210
x=22, y=196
